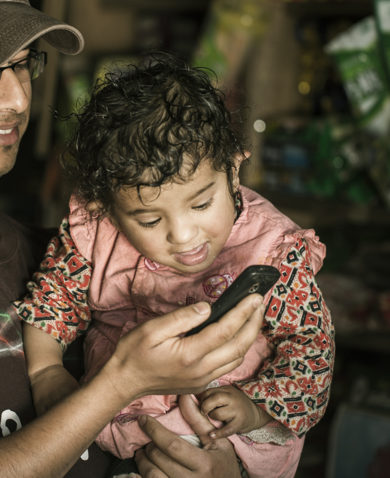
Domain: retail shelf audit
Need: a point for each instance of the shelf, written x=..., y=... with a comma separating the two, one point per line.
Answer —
x=158, y=5
x=351, y=8
x=313, y=212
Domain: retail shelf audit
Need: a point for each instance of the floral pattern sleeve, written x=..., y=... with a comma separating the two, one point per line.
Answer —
x=57, y=299
x=293, y=386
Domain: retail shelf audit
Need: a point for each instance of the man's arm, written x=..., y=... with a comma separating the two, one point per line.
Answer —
x=148, y=360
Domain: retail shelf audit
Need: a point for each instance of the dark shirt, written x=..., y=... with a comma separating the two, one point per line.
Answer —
x=20, y=251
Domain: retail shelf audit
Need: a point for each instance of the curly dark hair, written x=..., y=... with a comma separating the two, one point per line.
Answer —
x=149, y=119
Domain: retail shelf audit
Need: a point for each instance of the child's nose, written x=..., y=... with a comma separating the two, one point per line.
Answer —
x=182, y=230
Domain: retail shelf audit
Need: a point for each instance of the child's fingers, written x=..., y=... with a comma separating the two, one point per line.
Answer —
x=212, y=402
x=214, y=398
x=223, y=414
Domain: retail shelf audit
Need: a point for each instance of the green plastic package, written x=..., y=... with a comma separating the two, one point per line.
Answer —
x=359, y=60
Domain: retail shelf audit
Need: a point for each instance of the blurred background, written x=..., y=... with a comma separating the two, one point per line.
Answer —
x=311, y=80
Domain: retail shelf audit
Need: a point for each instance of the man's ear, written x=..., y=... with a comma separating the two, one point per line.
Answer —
x=238, y=159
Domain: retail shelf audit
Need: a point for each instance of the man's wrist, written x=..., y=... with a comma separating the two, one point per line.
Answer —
x=122, y=390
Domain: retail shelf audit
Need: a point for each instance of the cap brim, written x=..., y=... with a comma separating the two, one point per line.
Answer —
x=22, y=24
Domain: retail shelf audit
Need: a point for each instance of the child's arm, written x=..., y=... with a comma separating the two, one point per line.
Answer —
x=50, y=381
x=55, y=312
x=231, y=406
x=293, y=386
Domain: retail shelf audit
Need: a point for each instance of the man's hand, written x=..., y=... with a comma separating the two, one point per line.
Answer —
x=231, y=406
x=155, y=358
x=169, y=456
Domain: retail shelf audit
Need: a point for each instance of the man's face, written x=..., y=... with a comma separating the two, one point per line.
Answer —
x=15, y=103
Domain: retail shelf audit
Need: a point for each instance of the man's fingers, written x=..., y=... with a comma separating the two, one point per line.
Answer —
x=223, y=369
x=145, y=466
x=170, y=444
x=182, y=320
x=240, y=329
x=197, y=421
x=233, y=321
x=240, y=325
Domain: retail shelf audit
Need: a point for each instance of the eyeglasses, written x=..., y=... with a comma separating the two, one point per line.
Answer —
x=28, y=68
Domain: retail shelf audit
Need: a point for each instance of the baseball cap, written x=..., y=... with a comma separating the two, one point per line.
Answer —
x=21, y=24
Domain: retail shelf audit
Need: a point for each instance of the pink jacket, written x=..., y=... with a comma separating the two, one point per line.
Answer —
x=127, y=289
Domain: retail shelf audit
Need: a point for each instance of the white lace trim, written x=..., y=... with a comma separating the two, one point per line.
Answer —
x=270, y=434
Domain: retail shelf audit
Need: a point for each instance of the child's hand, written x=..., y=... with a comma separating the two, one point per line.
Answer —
x=231, y=406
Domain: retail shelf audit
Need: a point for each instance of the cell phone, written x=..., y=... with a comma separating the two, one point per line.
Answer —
x=254, y=279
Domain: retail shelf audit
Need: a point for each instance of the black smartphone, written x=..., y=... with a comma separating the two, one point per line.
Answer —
x=254, y=279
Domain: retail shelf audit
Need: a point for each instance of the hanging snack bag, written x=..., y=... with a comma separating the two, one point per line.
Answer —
x=382, y=17
x=359, y=61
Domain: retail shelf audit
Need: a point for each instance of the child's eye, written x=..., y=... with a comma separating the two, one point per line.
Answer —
x=204, y=205
x=149, y=224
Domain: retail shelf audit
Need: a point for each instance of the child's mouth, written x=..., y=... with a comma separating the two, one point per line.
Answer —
x=193, y=257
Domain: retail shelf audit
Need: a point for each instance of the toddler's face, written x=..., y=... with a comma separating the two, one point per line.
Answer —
x=182, y=225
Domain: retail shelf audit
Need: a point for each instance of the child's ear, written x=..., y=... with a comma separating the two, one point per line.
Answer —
x=238, y=159
x=94, y=207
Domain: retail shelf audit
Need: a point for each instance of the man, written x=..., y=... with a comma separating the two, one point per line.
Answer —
x=160, y=361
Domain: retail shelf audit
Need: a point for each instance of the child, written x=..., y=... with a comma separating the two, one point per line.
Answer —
x=159, y=220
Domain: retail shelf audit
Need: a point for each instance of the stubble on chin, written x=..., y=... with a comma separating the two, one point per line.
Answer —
x=7, y=158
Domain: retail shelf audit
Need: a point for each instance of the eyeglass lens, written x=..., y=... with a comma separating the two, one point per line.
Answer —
x=28, y=68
